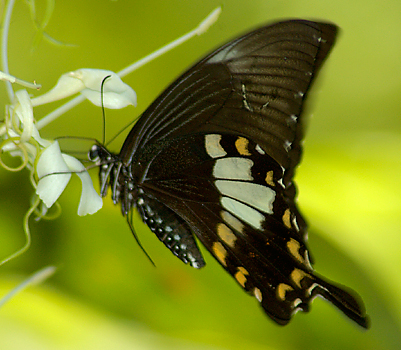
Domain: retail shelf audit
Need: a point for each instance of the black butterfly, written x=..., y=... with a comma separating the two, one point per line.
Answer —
x=214, y=156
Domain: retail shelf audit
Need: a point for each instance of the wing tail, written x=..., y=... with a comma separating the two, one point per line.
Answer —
x=345, y=299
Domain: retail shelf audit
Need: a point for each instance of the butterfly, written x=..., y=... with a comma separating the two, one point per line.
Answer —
x=212, y=160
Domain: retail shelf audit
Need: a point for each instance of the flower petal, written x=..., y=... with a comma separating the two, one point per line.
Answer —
x=51, y=186
x=116, y=94
x=66, y=86
x=88, y=81
x=90, y=201
x=111, y=100
x=24, y=111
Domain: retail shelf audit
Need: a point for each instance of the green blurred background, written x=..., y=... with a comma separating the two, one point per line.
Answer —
x=106, y=294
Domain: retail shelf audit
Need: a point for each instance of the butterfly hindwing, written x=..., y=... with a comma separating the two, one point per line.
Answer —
x=246, y=224
x=171, y=229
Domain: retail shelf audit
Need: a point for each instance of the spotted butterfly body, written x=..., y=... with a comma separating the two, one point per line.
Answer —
x=212, y=159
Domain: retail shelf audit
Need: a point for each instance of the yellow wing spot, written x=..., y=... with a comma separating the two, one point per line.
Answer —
x=258, y=294
x=220, y=252
x=293, y=247
x=226, y=235
x=240, y=276
x=282, y=289
x=286, y=218
x=269, y=178
x=232, y=221
x=297, y=276
x=242, y=146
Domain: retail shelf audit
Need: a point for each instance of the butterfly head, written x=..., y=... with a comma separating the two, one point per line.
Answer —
x=98, y=154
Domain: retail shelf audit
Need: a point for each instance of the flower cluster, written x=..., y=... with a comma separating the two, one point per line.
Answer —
x=50, y=169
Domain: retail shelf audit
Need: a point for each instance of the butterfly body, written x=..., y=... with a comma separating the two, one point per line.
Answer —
x=214, y=156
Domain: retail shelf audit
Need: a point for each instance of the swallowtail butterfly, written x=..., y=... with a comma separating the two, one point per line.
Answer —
x=212, y=159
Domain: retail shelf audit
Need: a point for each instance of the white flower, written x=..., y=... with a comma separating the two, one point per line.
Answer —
x=54, y=170
x=21, y=137
x=43, y=157
x=88, y=82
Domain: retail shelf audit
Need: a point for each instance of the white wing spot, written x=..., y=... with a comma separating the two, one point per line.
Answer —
x=258, y=294
x=296, y=304
x=213, y=147
x=307, y=261
x=257, y=196
x=259, y=149
x=233, y=168
x=295, y=223
x=287, y=145
x=245, y=213
x=311, y=288
x=244, y=99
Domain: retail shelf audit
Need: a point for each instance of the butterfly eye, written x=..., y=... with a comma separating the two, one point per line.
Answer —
x=94, y=153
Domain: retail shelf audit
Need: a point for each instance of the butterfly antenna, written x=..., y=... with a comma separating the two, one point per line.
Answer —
x=102, y=102
x=129, y=220
x=122, y=130
x=74, y=151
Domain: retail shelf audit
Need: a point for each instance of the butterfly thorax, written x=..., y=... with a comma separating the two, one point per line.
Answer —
x=116, y=175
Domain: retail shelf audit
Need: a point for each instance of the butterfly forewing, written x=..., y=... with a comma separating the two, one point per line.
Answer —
x=214, y=156
x=232, y=77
